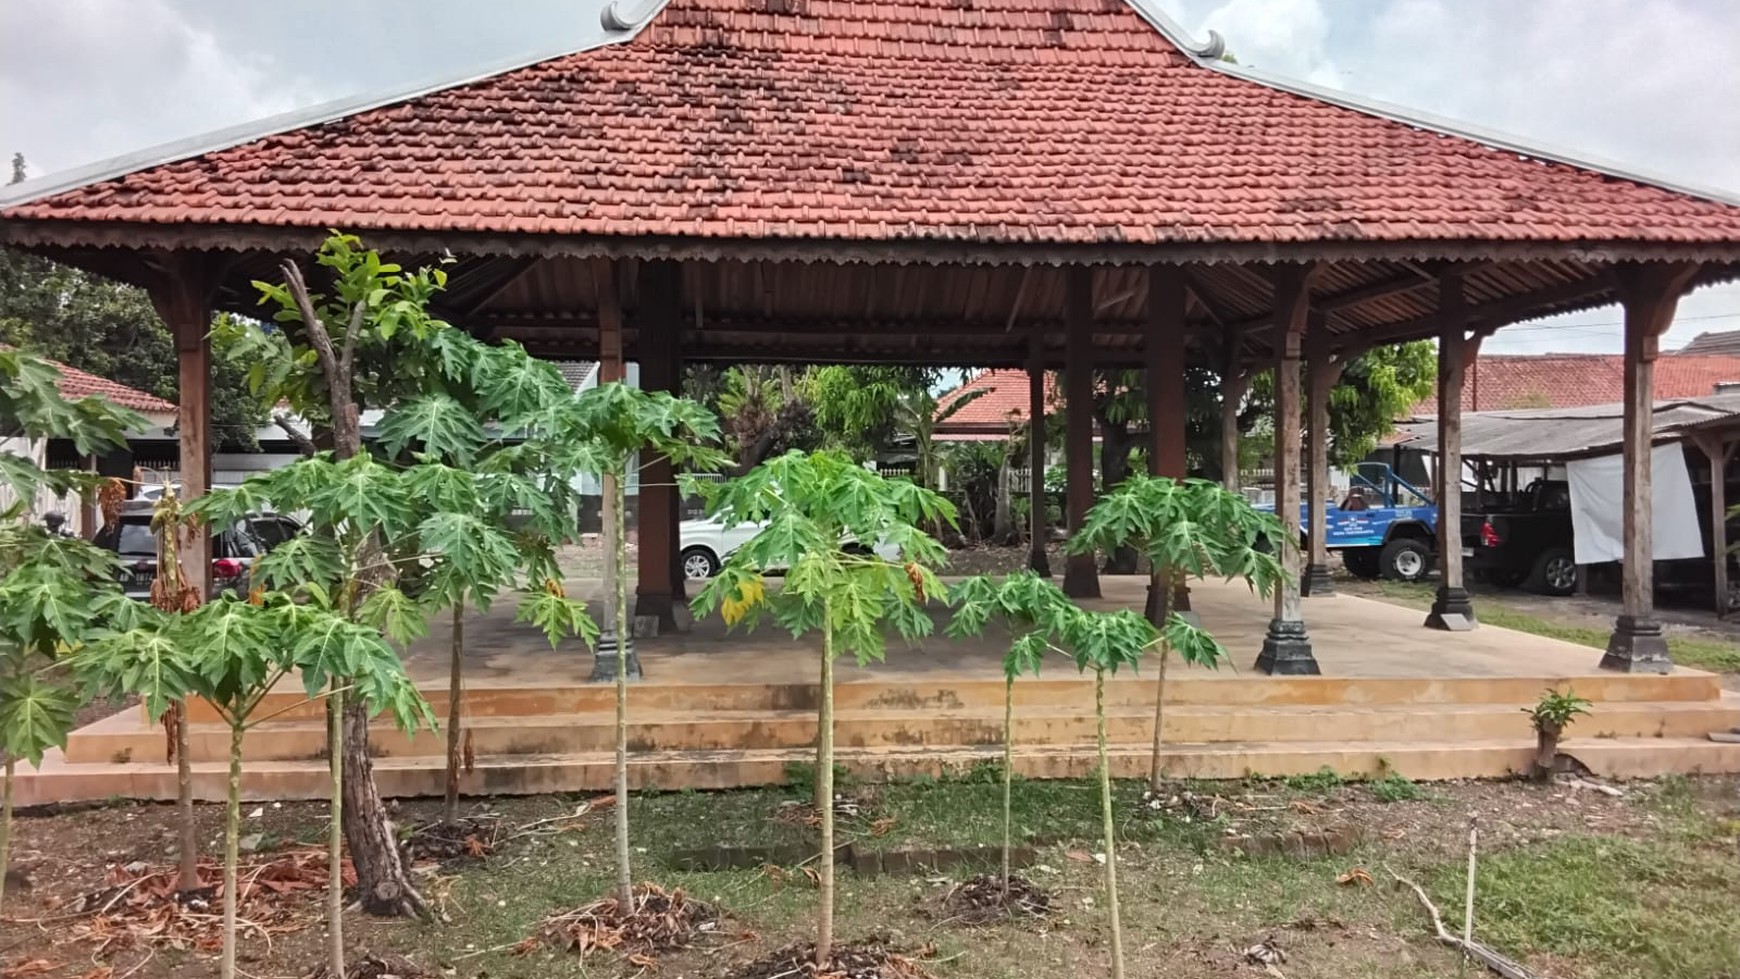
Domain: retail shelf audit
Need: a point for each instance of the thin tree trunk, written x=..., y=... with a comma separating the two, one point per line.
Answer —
x=187, y=876
x=6, y=827
x=1008, y=777
x=455, y=694
x=1111, y=838
x=1002, y=523
x=624, y=873
x=1546, y=752
x=1155, y=775
x=825, y=792
x=232, y=830
x=335, y=834
x=383, y=886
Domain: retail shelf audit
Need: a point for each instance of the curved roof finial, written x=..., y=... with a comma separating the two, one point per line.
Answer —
x=624, y=15
x=1210, y=49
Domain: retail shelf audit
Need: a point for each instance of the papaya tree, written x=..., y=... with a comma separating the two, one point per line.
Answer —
x=827, y=523
x=1186, y=529
x=233, y=653
x=1022, y=600
x=54, y=591
x=601, y=431
x=372, y=342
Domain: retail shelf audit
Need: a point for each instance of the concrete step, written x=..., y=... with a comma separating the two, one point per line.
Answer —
x=60, y=781
x=126, y=737
x=943, y=691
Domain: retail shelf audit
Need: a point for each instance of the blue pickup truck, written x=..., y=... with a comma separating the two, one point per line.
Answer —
x=1384, y=527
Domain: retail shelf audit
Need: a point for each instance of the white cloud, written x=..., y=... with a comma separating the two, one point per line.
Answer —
x=82, y=80
x=1286, y=36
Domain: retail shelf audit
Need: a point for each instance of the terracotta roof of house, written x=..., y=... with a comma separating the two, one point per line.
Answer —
x=991, y=414
x=1725, y=343
x=1007, y=121
x=1503, y=381
x=75, y=384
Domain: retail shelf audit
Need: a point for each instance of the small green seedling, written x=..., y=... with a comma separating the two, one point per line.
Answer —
x=1551, y=715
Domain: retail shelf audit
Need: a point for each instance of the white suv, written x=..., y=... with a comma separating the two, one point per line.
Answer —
x=704, y=545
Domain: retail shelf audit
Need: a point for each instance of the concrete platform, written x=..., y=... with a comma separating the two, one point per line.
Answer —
x=721, y=709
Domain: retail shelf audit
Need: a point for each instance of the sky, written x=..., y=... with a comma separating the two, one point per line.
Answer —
x=1652, y=86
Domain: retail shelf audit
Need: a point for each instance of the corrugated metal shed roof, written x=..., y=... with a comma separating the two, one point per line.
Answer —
x=1556, y=434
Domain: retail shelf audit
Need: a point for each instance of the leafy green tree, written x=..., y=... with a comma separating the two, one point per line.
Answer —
x=1186, y=529
x=372, y=342
x=112, y=330
x=858, y=409
x=825, y=517
x=232, y=653
x=54, y=591
x=601, y=431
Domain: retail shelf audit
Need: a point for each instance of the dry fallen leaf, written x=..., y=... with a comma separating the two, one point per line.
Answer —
x=35, y=967
x=1357, y=875
x=881, y=826
x=1080, y=856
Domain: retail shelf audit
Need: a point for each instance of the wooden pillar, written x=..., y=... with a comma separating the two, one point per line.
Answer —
x=1323, y=371
x=1452, y=609
x=1287, y=647
x=1718, y=451
x=1235, y=383
x=659, y=322
x=1649, y=294
x=615, y=636
x=1039, y=528
x=182, y=295
x=1081, y=578
x=1163, y=356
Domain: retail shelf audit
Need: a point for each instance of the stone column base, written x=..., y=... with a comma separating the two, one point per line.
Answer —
x=604, y=660
x=1637, y=646
x=656, y=605
x=1452, y=611
x=1316, y=581
x=1287, y=650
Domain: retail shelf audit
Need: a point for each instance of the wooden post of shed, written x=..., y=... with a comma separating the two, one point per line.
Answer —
x=1235, y=382
x=1081, y=578
x=1323, y=371
x=1718, y=450
x=1649, y=294
x=659, y=314
x=1163, y=360
x=1038, y=526
x=182, y=295
x=1452, y=609
x=1287, y=647
x=616, y=638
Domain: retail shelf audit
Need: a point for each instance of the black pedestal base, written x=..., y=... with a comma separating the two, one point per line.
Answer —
x=1316, y=581
x=1080, y=578
x=1287, y=650
x=1452, y=611
x=1038, y=562
x=657, y=605
x=1637, y=646
x=604, y=660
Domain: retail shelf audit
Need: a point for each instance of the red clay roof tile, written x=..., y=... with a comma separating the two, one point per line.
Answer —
x=1503, y=381
x=1054, y=121
x=75, y=384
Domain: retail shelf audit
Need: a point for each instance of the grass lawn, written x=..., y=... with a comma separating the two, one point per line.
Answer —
x=1576, y=885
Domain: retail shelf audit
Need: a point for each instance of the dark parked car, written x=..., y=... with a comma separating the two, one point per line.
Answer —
x=1527, y=542
x=233, y=550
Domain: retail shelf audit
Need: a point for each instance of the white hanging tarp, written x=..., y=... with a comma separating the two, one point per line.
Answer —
x=1598, y=507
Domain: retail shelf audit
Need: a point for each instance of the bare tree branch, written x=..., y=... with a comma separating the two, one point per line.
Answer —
x=350, y=335
x=304, y=444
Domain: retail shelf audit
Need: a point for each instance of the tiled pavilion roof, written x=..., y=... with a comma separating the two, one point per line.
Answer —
x=903, y=181
x=1058, y=121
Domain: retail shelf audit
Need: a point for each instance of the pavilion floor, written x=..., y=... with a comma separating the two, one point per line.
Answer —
x=721, y=708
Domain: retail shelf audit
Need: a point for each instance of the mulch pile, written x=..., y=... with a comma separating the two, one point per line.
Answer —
x=872, y=958
x=984, y=900
x=449, y=844
x=659, y=921
x=139, y=905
